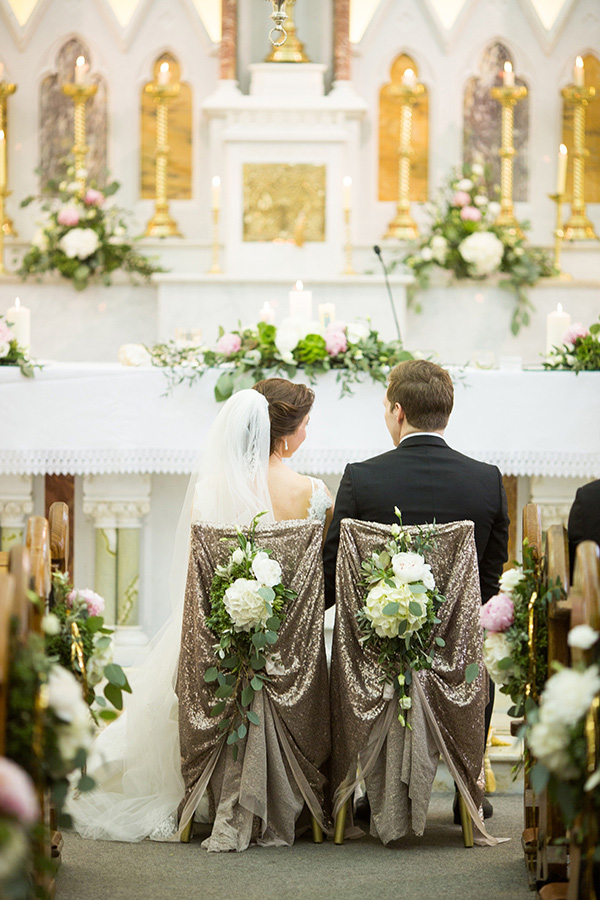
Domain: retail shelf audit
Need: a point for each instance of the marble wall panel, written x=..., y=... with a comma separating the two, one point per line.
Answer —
x=592, y=134
x=389, y=137
x=483, y=117
x=56, y=119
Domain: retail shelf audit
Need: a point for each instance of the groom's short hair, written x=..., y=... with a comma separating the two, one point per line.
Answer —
x=424, y=391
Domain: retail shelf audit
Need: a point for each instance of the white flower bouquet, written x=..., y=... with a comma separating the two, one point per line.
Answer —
x=248, y=601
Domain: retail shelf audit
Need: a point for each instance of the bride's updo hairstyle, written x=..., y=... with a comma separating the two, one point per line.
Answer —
x=288, y=403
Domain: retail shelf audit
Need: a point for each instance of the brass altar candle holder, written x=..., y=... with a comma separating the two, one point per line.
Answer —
x=215, y=268
x=349, y=269
x=508, y=96
x=403, y=226
x=292, y=51
x=6, y=225
x=578, y=226
x=80, y=94
x=559, y=234
x=162, y=224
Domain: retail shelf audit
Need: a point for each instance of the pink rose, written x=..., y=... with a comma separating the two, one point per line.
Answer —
x=68, y=216
x=6, y=334
x=461, y=198
x=335, y=341
x=574, y=333
x=498, y=613
x=229, y=344
x=93, y=601
x=470, y=214
x=17, y=793
x=93, y=197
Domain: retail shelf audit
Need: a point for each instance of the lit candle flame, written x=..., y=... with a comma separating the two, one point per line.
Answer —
x=164, y=67
x=347, y=181
x=216, y=181
x=1, y=135
x=507, y=67
x=563, y=149
x=579, y=62
x=17, y=302
x=299, y=286
x=80, y=61
x=559, y=308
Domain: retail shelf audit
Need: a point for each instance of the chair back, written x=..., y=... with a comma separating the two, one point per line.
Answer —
x=7, y=594
x=532, y=527
x=58, y=521
x=20, y=569
x=559, y=612
x=37, y=541
x=3, y=561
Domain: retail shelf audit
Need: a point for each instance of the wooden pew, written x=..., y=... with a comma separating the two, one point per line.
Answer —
x=58, y=521
x=7, y=595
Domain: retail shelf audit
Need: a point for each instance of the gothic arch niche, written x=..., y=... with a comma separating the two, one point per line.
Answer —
x=483, y=120
x=389, y=131
x=56, y=118
x=592, y=134
x=179, y=167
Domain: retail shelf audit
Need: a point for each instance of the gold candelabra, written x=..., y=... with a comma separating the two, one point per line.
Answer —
x=508, y=96
x=215, y=268
x=162, y=224
x=578, y=226
x=559, y=234
x=292, y=50
x=80, y=94
x=349, y=269
x=403, y=226
x=6, y=225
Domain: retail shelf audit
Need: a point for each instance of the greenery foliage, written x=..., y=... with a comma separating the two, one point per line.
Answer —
x=582, y=355
x=12, y=354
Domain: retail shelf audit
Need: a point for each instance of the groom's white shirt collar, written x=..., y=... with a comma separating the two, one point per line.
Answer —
x=421, y=434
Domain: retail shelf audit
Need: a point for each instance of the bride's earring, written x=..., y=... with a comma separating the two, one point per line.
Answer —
x=285, y=444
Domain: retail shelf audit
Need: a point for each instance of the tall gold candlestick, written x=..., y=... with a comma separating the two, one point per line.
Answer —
x=6, y=225
x=80, y=94
x=403, y=226
x=293, y=49
x=215, y=268
x=578, y=226
x=508, y=96
x=559, y=234
x=162, y=224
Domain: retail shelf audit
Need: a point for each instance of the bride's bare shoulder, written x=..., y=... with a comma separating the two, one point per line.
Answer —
x=290, y=494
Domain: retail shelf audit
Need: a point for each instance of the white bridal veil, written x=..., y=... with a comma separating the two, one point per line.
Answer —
x=135, y=760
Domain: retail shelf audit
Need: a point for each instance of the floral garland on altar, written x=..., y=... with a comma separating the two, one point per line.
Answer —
x=11, y=352
x=464, y=239
x=400, y=611
x=580, y=350
x=247, y=599
x=353, y=349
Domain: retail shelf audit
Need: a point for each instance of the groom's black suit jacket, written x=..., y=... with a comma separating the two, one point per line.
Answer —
x=427, y=481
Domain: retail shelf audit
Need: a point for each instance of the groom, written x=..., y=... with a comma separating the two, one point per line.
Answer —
x=425, y=478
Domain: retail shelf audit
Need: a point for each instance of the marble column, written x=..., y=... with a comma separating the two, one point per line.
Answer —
x=342, y=52
x=16, y=504
x=228, y=49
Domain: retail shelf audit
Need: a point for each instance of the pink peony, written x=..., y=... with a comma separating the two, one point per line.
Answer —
x=93, y=601
x=498, y=613
x=68, y=216
x=461, y=198
x=93, y=197
x=6, y=334
x=17, y=793
x=229, y=344
x=335, y=341
x=576, y=331
x=470, y=214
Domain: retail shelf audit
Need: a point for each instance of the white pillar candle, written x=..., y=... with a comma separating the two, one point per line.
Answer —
x=509, y=75
x=1, y=71
x=81, y=70
x=2, y=160
x=326, y=314
x=556, y=325
x=301, y=303
x=561, y=174
x=578, y=73
x=216, y=191
x=267, y=314
x=347, y=192
x=164, y=74
x=19, y=319
x=409, y=79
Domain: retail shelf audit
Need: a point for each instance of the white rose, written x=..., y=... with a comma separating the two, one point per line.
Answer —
x=582, y=636
x=79, y=242
x=548, y=742
x=266, y=570
x=40, y=240
x=286, y=339
x=477, y=169
x=51, y=624
x=480, y=200
x=510, y=579
x=568, y=695
x=409, y=567
x=465, y=184
x=387, y=625
x=495, y=648
x=133, y=355
x=356, y=331
x=274, y=664
x=427, y=254
x=64, y=694
x=483, y=251
x=76, y=735
x=4, y=349
x=245, y=606
x=493, y=209
x=396, y=530
x=238, y=556
x=439, y=246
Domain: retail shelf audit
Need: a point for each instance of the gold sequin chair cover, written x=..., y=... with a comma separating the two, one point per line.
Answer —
x=277, y=775
x=403, y=762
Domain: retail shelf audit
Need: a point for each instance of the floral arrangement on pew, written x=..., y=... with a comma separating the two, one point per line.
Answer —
x=75, y=635
x=400, y=611
x=525, y=594
x=248, y=601
x=83, y=236
x=19, y=823
x=12, y=354
x=464, y=240
x=353, y=349
x=556, y=735
x=580, y=351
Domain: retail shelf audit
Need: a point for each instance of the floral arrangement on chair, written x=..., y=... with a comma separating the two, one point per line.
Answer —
x=19, y=815
x=400, y=611
x=251, y=354
x=580, y=351
x=248, y=601
x=12, y=354
x=83, y=236
x=464, y=240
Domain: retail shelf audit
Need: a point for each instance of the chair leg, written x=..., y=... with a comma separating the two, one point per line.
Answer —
x=317, y=832
x=186, y=834
x=466, y=822
x=340, y=824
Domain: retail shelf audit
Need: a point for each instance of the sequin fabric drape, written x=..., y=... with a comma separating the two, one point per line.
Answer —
x=404, y=761
x=259, y=798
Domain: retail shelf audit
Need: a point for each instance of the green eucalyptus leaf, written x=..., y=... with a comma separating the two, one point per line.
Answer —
x=211, y=674
x=217, y=709
x=225, y=691
x=259, y=639
x=415, y=608
x=114, y=695
x=417, y=588
x=440, y=642
x=247, y=695
x=257, y=683
x=273, y=623
x=232, y=738
x=223, y=724
x=267, y=593
x=390, y=609
x=253, y=717
x=271, y=637
x=86, y=783
x=471, y=673
x=231, y=662
x=241, y=731
x=258, y=662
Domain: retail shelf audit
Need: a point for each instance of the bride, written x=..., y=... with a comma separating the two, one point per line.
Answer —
x=135, y=761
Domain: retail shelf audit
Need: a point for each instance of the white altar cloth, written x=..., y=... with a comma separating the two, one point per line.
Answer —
x=96, y=418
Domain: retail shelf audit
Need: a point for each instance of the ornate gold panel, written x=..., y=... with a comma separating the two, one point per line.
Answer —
x=284, y=202
x=389, y=132
x=592, y=134
x=179, y=168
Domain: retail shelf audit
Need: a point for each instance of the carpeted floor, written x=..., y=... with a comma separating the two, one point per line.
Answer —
x=429, y=868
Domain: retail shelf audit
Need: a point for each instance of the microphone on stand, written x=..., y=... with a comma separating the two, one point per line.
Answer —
x=377, y=250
